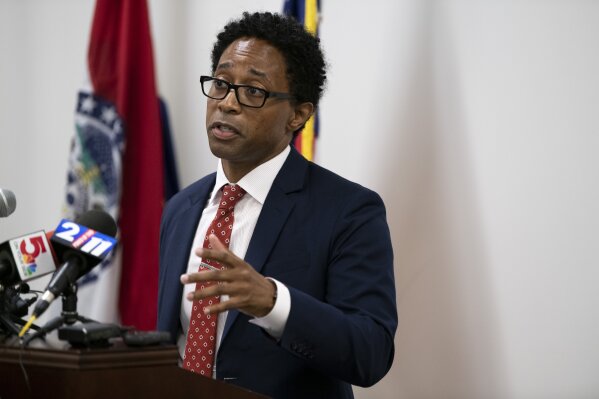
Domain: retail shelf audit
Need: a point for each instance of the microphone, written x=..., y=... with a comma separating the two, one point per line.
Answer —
x=79, y=246
x=26, y=258
x=8, y=202
x=14, y=304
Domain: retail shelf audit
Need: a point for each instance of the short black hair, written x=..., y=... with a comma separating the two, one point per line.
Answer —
x=306, y=68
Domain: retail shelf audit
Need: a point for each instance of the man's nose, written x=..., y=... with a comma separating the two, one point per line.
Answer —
x=229, y=103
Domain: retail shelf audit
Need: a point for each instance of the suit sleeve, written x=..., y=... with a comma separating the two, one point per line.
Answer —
x=350, y=334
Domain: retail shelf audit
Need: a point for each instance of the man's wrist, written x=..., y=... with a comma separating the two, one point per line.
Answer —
x=274, y=294
x=274, y=322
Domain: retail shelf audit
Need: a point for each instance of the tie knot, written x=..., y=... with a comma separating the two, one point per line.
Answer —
x=231, y=194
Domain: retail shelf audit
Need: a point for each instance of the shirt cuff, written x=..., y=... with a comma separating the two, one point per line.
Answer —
x=274, y=322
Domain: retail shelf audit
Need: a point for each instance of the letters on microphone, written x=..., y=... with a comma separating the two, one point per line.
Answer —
x=84, y=239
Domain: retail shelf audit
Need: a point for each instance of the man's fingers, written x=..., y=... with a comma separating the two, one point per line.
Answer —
x=216, y=244
x=247, y=290
x=221, y=307
x=216, y=290
x=232, y=289
x=225, y=258
x=206, y=292
x=219, y=252
x=211, y=275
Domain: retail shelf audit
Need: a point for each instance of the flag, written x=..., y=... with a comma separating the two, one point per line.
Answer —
x=117, y=163
x=306, y=12
x=94, y=182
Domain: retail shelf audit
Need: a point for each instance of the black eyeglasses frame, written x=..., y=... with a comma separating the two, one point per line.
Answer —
x=234, y=87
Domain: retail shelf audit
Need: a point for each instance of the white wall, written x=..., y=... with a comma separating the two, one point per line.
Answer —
x=475, y=120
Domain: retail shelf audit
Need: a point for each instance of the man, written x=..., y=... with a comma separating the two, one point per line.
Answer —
x=283, y=270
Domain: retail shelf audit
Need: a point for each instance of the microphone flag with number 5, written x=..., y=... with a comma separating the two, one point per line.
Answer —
x=25, y=258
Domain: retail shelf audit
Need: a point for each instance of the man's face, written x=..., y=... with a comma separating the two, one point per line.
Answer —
x=241, y=136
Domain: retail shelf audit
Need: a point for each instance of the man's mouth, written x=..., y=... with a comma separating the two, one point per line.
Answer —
x=223, y=130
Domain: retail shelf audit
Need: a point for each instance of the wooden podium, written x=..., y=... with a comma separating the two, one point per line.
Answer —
x=115, y=372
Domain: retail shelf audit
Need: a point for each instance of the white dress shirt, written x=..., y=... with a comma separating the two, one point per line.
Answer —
x=257, y=184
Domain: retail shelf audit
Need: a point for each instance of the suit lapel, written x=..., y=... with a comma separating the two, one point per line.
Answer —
x=186, y=223
x=275, y=211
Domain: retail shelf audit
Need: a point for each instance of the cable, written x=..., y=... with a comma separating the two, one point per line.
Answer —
x=22, y=364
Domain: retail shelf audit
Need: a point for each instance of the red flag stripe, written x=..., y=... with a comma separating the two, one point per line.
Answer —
x=122, y=71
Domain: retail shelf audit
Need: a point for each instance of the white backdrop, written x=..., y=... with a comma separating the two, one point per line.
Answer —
x=475, y=120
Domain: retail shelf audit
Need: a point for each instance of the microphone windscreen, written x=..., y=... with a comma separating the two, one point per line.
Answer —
x=8, y=202
x=99, y=221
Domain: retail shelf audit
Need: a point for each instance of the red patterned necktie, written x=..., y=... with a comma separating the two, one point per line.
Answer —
x=201, y=336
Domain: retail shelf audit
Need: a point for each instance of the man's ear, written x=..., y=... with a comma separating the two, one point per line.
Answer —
x=301, y=114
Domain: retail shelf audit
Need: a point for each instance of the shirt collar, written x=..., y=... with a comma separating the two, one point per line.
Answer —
x=257, y=182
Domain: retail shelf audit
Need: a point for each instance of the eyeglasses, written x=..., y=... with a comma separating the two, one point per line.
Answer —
x=250, y=96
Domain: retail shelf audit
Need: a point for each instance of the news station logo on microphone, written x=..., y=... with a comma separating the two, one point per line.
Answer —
x=33, y=255
x=84, y=239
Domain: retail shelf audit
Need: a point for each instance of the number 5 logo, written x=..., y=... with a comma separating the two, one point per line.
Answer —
x=33, y=246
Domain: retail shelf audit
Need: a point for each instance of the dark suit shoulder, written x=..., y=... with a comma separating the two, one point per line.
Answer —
x=194, y=192
x=193, y=195
x=331, y=184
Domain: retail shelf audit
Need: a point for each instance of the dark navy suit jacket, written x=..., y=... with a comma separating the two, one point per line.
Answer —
x=327, y=240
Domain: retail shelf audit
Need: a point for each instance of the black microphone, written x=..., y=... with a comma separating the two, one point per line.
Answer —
x=26, y=258
x=8, y=202
x=14, y=304
x=79, y=247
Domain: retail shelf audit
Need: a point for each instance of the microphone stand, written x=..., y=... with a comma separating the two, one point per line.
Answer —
x=69, y=307
x=91, y=333
x=68, y=316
